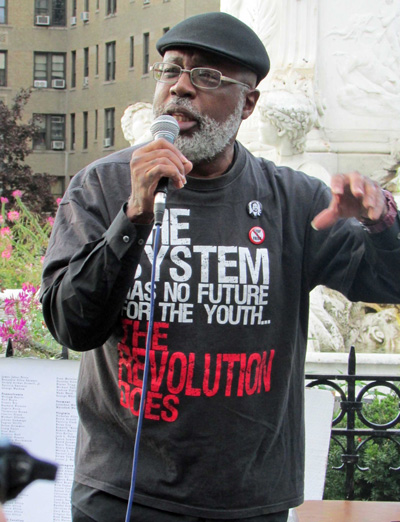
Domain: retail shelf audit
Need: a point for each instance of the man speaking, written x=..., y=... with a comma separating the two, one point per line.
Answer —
x=243, y=243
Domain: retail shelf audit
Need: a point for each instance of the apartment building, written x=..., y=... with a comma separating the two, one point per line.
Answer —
x=86, y=61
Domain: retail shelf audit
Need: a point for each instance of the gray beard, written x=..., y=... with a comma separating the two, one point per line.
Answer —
x=211, y=138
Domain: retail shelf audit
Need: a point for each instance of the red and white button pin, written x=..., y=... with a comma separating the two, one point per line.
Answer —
x=256, y=235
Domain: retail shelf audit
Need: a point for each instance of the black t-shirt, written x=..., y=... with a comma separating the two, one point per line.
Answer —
x=223, y=433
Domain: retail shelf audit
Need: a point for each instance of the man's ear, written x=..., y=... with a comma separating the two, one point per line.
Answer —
x=250, y=103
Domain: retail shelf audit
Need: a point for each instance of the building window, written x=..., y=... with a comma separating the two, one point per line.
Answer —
x=73, y=69
x=50, y=12
x=49, y=70
x=86, y=5
x=110, y=61
x=97, y=60
x=3, y=11
x=3, y=68
x=109, y=127
x=85, y=129
x=132, y=52
x=42, y=7
x=58, y=12
x=86, y=62
x=58, y=186
x=146, y=50
x=111, y=7
x=51, y=135
x=72, y=131
x=74, y=9
x=96, y=124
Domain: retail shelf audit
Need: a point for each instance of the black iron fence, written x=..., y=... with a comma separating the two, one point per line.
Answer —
x=352, y=390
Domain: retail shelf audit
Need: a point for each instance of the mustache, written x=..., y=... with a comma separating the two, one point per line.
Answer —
x=180, y=104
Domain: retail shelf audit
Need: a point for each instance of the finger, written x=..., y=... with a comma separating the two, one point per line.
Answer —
x=375, y=202
x=337, y=183
x=152, y=153
x=158, y=144
x=185, y=162
x=357, y=183
x=327, y=217
x=161, y=162
x=163, y=169
x=160, y=148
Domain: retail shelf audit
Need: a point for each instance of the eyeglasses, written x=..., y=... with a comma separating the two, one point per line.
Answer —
x=201, y=77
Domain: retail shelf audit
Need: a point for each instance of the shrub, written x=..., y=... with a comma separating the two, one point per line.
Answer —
x=23, y=241
x=24, y=325
x=379, y=482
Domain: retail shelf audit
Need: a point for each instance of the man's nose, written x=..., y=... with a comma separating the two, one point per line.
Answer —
x=183, y=86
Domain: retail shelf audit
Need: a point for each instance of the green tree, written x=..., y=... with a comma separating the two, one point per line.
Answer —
x=15, y=145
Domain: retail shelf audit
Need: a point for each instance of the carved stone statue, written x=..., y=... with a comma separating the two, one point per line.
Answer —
x=286, y=117
x=136, y=122
x=336, y=324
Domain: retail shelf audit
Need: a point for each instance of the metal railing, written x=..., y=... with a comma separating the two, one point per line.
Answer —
x=351, y=405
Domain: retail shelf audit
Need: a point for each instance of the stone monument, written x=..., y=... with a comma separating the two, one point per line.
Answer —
x=136, y=121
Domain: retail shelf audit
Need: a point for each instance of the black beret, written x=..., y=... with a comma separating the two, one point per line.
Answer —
x=222, y=34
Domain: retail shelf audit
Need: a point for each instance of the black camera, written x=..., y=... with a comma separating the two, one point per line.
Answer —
x=18, y=469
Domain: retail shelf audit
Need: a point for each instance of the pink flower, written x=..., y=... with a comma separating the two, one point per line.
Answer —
x=1, y=219
x=50, y=220
x=13, y=215
x=3, y=200
x=17, y=193
x=14, y=329
x=29, y=287
x=6, y=254
x=42, y=260
x=5, y=231
x=58, y=201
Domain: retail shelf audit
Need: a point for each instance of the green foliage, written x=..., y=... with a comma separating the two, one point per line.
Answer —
x=379, y=455
x=23, y=324
x=23, y=242
x=15, y=144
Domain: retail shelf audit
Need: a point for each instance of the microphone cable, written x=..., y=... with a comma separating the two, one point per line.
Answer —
x=149, y=339
x=163, y=127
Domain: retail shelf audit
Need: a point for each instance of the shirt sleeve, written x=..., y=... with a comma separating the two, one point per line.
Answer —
x=364, y=266
x=86, y=278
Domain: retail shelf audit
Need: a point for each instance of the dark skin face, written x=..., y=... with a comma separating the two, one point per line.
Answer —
x=219, y=103
x=160, y=158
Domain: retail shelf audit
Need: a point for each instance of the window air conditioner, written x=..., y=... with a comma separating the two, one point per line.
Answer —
x=58, y=84
x=86, y=81
x=85, y=16
x=42, y=20
x=40, y=84
x=57, y=145
x=146, y=2
x=107, y=142
x=73, y=20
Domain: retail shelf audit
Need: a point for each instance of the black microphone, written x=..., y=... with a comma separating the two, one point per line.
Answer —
x=163, y=127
